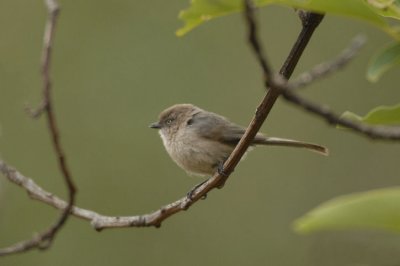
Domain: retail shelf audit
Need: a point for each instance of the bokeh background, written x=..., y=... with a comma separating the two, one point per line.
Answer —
x=116, y=65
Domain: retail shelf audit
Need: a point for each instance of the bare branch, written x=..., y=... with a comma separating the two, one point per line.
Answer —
x=253, y=39
x=326, y=68
x=53, y=9
x=310, y=21
x=44, y=239
x=277, y=87
x=97, y=220
x=374, y=132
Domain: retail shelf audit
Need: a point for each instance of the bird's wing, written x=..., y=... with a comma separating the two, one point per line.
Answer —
x=216, y=127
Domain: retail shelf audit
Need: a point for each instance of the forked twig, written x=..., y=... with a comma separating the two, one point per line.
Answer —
x=44, y=239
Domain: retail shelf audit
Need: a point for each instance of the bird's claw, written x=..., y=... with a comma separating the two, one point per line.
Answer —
x=190, y=194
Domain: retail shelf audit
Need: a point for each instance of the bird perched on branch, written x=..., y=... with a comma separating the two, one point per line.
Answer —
x=200, y=141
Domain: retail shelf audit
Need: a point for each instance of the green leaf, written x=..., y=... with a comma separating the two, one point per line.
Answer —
x=386, y=8
x=383, y=61
x=203, y=10
x=381, y=115
x=376, y=209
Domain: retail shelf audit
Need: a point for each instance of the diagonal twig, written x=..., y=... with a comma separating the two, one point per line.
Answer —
x=322, y=70
x=44, y=239
x=253, y=40
x=373, y=132
x=274, y=82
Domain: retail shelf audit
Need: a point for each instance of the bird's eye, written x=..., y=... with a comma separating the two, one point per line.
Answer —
x=169, y=121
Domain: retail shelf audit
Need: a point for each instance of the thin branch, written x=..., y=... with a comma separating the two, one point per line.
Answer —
x=44, y=239
x=252, y=38
x=326, y=68
x=274, y=81
x=97, y=220
x=53, y=8
x=374, y=132
x=310, y=21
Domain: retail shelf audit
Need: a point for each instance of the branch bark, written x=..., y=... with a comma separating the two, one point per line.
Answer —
x=373, y=132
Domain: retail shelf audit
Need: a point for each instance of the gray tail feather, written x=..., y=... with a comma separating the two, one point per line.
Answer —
x=291, y=143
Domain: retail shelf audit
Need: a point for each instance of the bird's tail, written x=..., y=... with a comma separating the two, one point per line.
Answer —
x=291, y=143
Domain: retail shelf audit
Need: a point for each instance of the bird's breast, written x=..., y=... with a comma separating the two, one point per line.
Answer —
x=196, y=155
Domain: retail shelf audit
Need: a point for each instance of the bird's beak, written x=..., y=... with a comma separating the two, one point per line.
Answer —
x=155, y=125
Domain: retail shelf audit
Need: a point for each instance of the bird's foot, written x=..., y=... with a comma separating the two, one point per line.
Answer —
x=221, y=170
x=222, y=173
x=190, y=194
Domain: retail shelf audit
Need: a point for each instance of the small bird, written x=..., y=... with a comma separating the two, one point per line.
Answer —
x=200, y=141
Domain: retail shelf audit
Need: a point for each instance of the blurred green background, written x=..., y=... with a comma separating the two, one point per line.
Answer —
x=116, y=65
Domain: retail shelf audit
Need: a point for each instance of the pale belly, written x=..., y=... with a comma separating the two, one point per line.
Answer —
x=201, y=159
